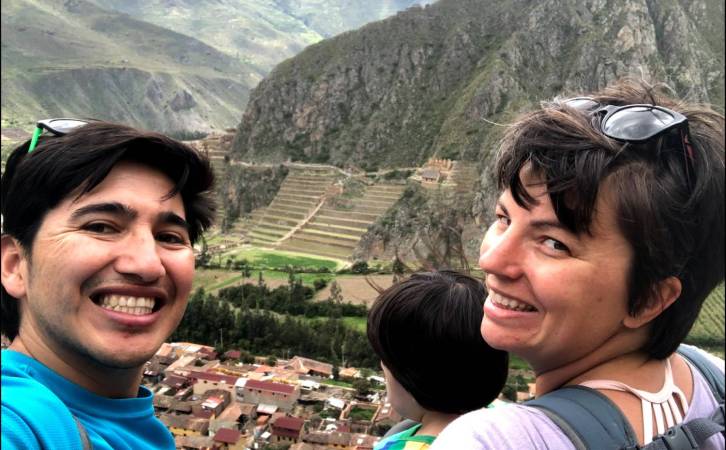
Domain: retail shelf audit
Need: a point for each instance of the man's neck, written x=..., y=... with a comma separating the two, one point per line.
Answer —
x=622, y=345
x=103, y=381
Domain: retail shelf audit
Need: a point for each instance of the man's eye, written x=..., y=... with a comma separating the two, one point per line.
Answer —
x=556, y=245
x=99, y=227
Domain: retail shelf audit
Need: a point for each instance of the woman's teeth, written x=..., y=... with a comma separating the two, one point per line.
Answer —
x=508, y=303
x=137, y=306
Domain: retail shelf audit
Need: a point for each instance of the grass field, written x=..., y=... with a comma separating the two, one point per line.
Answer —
x=708, y=331
x=266, y=259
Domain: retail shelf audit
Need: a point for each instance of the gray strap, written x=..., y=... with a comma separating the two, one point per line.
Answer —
x=689, y=435
x=85, y=442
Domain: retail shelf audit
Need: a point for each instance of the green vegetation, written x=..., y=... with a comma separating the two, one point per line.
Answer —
x=266, y=259
x=708, y=331
x=361, y=414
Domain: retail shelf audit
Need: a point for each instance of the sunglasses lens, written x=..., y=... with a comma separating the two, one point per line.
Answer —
x=583, y=103
x=64, y=126
x=637, y=123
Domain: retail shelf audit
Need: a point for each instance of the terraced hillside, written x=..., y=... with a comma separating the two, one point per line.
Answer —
x=335, y=232
x=300, y=194
x=464, y=175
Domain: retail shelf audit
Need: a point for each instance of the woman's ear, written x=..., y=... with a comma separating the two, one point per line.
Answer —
x=667, y=292
x=12, y=261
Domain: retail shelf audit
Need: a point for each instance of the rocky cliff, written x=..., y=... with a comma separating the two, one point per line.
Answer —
x=430, y=80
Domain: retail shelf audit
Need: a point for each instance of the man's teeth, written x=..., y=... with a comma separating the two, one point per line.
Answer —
x=130, y=305
x=508, y=303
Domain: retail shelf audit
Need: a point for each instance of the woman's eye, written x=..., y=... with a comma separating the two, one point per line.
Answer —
x=556, y=245
x=503, y=220
x=170, y=238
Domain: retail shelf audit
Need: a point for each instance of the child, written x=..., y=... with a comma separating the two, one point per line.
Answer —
x=426, y=331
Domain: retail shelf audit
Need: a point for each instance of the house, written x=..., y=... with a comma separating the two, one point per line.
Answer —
x=349, y=373
x=281, y=395
x=176, y=381
x=204, y=381
x=233, y=354
x=307, y=366
x=185, y=425
x=193, y=442
x=334, y=439
x=233, y=417
x=286, y=429
x=430, y=175
x=363, y=442
x=228, y=439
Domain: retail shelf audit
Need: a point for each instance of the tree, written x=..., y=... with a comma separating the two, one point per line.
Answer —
x=336, y=372
x=362, y=386
x=271, y=361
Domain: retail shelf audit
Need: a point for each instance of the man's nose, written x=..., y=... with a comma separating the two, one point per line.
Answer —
x=139, y=258
x=501, y=254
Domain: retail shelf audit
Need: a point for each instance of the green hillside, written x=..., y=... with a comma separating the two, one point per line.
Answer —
x=431, y=81
x=75, y=59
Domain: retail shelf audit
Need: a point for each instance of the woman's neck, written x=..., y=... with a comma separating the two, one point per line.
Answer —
x=612, y=353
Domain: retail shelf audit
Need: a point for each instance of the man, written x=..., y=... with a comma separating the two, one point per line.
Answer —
x=97, y=264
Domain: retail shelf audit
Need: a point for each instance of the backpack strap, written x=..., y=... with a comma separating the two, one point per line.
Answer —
x=692, y=434
x=713, y=376
x=591, y=420
x=85, y=442
x=588, y=418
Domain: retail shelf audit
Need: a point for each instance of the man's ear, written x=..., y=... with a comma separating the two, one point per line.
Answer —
x=667, y=292
x=12, y=264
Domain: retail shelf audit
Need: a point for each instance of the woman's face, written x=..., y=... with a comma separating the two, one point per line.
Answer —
x=554, y=296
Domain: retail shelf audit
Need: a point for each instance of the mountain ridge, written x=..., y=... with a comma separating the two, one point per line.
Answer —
x=430, y=81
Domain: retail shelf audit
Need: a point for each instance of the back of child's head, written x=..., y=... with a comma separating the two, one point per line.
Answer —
x=426, y=331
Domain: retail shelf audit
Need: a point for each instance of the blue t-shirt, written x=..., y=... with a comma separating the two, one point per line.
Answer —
x=38, y=406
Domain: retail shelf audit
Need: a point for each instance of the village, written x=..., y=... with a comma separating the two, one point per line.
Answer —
x=211, y=401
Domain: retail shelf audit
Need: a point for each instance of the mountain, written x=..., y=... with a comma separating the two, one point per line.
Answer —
x=72, y=58
x=432, y=80
x=260, y=33
x=177, y=66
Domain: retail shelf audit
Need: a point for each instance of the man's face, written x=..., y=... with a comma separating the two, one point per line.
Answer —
x=110, y=272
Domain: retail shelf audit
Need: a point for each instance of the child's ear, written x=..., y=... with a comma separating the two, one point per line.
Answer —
x=667, y=292
x=12, y=263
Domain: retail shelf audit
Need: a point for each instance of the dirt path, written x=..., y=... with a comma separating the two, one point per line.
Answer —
x=355, y=289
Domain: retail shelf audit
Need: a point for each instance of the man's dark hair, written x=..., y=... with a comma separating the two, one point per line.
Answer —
x=427, y=319
x=73, y=164
x=673, y=220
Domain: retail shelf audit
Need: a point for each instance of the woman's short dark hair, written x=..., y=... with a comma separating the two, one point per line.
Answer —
x=73, y=164
x=673, y=219
x=426, y=330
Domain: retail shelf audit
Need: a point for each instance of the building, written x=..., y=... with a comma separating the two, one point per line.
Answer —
x=286, y=429
x=307, y=366
x=228, y=439
x=205, y=381
x=281, y=395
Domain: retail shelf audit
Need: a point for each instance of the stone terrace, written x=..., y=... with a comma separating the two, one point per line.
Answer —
x=334, y=232
x=300, y=194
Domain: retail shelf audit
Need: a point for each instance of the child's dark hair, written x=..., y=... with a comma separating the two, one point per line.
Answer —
x=428, y=325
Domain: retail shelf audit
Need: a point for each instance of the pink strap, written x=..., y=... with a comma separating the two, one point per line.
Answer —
x=660, y=406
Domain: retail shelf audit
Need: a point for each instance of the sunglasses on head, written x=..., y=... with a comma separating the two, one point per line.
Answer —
x=637, y=123
x=57, y=127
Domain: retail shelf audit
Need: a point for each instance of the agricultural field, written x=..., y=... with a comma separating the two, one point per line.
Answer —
x=708, y=331
x=266, y=259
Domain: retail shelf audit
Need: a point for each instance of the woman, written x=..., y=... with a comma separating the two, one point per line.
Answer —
x=609, y=235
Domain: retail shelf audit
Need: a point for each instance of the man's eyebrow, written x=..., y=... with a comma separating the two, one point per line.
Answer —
x=171, y=218
x=107, y=208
